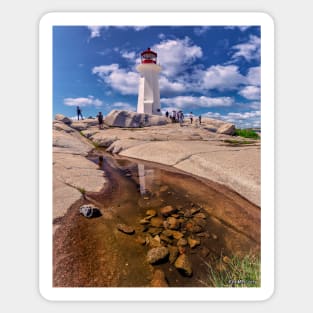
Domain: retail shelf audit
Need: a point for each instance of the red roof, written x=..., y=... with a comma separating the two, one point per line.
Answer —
x=148, y=51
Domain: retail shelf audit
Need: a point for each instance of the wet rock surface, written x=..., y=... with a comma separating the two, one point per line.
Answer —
x=125, y=229
x=156, y=255
x=177, y=243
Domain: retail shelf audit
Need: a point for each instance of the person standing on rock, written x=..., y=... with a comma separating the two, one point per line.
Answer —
x=79, y=113
x=166, y=114
x=200, y=119
x=100, y=120
x=191, y=117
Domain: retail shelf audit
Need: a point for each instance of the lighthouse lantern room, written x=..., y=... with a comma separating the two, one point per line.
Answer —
x=149, y=92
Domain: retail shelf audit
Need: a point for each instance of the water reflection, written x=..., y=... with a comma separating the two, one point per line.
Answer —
x=142, y=180
x=149, y=179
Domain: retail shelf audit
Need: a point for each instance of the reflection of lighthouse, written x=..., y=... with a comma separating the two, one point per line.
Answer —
x=149, y=93
x=142, y=180
x=149, y=179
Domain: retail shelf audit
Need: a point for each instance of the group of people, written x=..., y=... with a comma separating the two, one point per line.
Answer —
x=176, y=116
x=179, y=117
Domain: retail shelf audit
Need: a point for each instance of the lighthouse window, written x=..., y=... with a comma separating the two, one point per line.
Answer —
x=149, y=56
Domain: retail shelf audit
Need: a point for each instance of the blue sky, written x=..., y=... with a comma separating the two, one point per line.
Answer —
x=211, y=70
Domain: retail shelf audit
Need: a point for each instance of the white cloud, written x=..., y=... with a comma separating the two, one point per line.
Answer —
x=250, y=92
x=94, y=31
x=168, y=87
x=241, y=28
x=219, y=77
x=176, y=55
x=83, y=102
x=123, y=106
x=241, y=120
x=191, y=102
x=126, y=82
x=254, y=76
x=255, y=105
x=161, y=36
x=215, y=115
x=249, y=50
x=129, y=55
x=201, y=30
x=139, y=28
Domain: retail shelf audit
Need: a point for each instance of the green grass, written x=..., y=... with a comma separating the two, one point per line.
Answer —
x=81, y=190
x=95, y=144
x=238, y=142
x=239, y=272
x=246, y=133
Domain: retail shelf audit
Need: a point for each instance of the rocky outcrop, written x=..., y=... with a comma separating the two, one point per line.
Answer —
x=218, y=126
x=128, y=119
x=226, y=129
x=62, y=118
x=84, y=124
x=73, y=174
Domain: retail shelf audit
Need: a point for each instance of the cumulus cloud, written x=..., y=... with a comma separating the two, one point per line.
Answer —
x=175, y=55
x=171, y=87
x=94, y=31
x=201, y=30
x=254, y=76
x=249, y=50
x=241, y=120
x=219, y=77
x=250, y=92
x=129, y=55
x=119, y=79
x=188, y=102
x=139, y=28
x=241, y=28
x=83, y=102
x=161, y=36
x=123, y=106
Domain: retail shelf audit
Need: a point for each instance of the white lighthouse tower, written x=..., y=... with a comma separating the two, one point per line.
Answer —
x=149, y=92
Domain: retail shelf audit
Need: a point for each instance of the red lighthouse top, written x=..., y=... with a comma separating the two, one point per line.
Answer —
x=148, y=56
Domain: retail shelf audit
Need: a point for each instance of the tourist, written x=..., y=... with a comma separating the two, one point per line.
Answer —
x=191, y=117
x=174, y=116
x=200, y=119
x=166, y=114
x=79, y=113
x=100, y=120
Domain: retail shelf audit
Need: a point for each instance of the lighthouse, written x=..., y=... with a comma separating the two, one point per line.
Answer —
x=149, y=92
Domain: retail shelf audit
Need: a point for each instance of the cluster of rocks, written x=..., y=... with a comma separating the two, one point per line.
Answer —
x=171, y=233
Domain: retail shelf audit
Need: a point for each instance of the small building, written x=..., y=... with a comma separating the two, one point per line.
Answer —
x=149, y=91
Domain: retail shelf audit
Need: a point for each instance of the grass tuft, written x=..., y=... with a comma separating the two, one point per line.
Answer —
x=238, y=272
x=247, y=133
x=238, y=142
x=82, y=190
